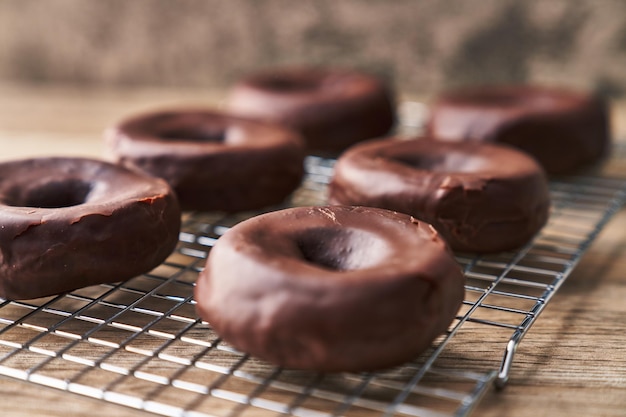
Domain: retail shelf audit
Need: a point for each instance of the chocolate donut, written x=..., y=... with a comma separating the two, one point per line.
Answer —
x=67, y=223
x=563, y=130
x=212, y=160
x=332, y=109
x=330, y=288
x=481, y=197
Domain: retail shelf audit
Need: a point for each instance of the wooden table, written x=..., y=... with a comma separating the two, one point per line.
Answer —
x=572, y=362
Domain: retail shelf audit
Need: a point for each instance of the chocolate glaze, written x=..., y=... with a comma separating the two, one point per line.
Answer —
x=332, y=109
x=330, y=288
x=563, y=130
x=481, y=197
x=212, y=160
x=67, y=223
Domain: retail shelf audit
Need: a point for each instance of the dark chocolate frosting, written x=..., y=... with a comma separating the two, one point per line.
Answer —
x=332, y=109
x=564, y=130
x=330, y=288
x=212, y=160
x=67, y=223
x=481, y=197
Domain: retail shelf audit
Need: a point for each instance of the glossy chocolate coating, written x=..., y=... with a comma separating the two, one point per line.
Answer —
x=481, y=197
x=212, y=160
x=330, y=288
x=67, y=223
x=332, y=109
x=563, y=130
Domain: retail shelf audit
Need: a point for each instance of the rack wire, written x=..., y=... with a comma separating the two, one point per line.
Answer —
x=140, y=343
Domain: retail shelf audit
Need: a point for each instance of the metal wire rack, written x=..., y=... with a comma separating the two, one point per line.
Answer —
x=139, y=343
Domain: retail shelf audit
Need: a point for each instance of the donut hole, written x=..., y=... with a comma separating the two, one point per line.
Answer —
x=506, y=98
x=54, y=194
x=286, y=85
x=190, y=134
x=342, y=249
x=450, y=162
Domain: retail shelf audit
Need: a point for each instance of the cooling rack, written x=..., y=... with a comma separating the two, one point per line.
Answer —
x=139, y=343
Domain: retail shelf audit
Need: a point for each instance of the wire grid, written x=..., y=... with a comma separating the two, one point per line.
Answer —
x=140, y=343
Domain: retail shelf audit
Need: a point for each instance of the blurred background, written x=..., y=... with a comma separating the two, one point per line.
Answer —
x=422, y=47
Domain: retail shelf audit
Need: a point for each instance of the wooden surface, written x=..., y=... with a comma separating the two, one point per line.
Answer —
x=572, y=362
